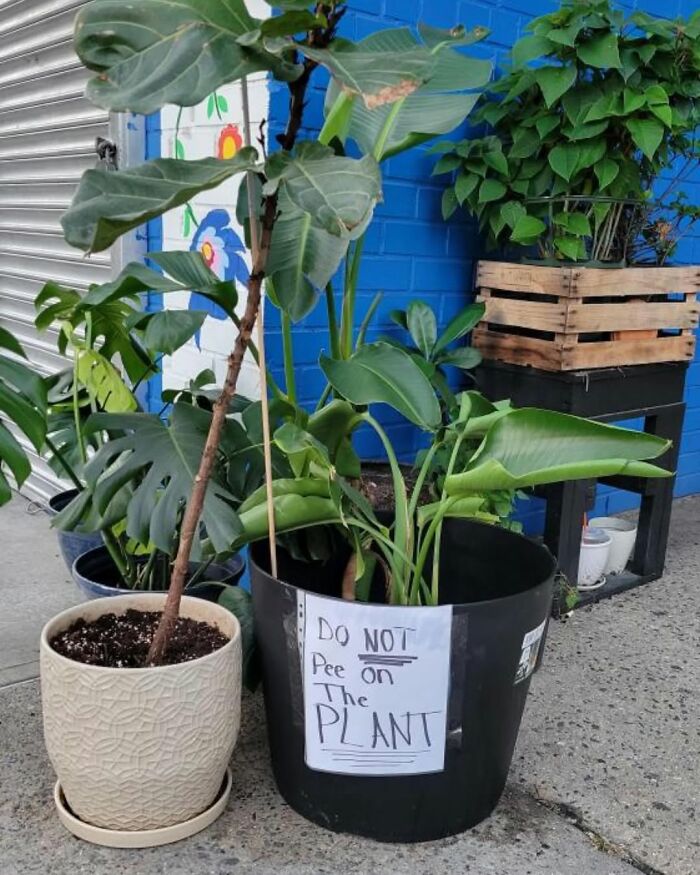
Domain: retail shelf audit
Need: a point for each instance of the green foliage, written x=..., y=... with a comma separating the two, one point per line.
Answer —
x=433, y=353
x=610, y=106
x=23, y=402
x=434, y=106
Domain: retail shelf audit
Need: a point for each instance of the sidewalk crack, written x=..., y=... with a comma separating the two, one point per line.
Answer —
x=574, y=817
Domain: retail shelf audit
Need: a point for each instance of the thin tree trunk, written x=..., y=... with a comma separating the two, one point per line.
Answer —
x=193, y=510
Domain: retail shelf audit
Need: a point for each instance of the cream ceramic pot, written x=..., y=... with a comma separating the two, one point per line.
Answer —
x=141, y=748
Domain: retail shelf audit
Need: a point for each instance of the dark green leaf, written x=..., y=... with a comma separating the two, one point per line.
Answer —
x=159, y=462
x=606, y=170
x=466, y=358
x=240, y=603
x=422, y=326
x=555, y=81
x=600, y=51
x=530, y=447
x=647, y=135
x=379, y=373
x=528, y=48
x=168, y=330
x=491, y=190
x=448, y=203
x=108, y=204
x=339, y=194
x=465, y=185
x=564, y=160
x=527, y=229
x=154, y=52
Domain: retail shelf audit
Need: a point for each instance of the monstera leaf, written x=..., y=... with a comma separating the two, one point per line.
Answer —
x=159, y=462
x=23, y=402
x=153, y=52
x=530, y=447
x=436, y=106
x=108, y=204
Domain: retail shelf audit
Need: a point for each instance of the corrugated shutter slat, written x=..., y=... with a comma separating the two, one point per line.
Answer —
x=47, y=139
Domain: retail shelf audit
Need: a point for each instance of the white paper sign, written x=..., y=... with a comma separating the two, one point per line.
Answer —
x=376, y=682
x=529, y=653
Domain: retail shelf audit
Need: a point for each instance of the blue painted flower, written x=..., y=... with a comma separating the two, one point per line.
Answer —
x=221, y=249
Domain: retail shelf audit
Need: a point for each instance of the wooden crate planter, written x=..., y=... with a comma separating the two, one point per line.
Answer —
x=568, y=318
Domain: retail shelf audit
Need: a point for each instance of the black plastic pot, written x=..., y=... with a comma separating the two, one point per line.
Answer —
x=71, y=544
x=96, y=576
x=500, y=585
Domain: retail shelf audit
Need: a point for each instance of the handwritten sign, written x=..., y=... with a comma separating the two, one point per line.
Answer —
x=375, y=687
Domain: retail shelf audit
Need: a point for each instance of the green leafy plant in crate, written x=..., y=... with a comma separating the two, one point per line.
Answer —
x=596, y=106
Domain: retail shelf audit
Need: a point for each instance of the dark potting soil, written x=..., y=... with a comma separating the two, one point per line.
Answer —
x=122, y=640
x=377, y=485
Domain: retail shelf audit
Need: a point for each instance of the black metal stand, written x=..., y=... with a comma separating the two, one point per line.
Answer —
x=654, y=392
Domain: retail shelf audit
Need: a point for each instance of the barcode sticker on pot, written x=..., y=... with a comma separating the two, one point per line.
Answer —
x=376, y=682
x=529, y=653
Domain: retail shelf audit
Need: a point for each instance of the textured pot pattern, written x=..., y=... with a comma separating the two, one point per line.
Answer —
x=139, y=749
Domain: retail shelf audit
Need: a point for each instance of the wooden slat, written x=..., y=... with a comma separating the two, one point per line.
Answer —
x=632, y=316
x=516, y=350
x=631, y=352
x=523, y=277
x=537, y=315
x=595, y=282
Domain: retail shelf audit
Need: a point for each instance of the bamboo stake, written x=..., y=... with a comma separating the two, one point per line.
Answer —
x=262, y=361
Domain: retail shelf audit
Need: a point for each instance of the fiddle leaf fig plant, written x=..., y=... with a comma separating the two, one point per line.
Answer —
x=596, y=106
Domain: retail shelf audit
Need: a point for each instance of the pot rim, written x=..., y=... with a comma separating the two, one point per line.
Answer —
x=614, y=524
x=235, y=557
x=549, y=579
x=109, y=605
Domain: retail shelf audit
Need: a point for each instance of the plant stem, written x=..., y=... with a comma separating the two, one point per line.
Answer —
x=288, y=348
x=352, y=269
x=402, y=523
x=76, y=410
x=332, y=322
x=112, y=545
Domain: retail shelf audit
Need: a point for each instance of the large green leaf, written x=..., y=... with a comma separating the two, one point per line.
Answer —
x=601, y=51
x=183, y=272
x=529, y=447
x=152, y=52
x=159, y=462
x=339, y=194
x=379, y=76
x=381, y=374
x=303, y=258
x=435, y=107
x=108, y=204
x=460, y=325
x=168, y=330
x=555, y=81
x=647, y=134
x=22, y=402
x=422, y=325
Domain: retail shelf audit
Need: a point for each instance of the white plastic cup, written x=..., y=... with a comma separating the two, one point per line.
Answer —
x=623, y=534
x=595, y=547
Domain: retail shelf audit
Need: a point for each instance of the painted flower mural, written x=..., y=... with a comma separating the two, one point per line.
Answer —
x=229, y=142
x=221, y=249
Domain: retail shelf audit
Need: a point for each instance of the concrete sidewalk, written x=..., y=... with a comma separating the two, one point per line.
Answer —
x=605, y=779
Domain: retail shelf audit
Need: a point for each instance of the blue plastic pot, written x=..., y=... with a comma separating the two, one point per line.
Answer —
x=96, y=576
x=72, y=544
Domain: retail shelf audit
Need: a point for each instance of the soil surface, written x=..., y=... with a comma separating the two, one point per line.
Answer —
x=377, y=485
x=122, y=641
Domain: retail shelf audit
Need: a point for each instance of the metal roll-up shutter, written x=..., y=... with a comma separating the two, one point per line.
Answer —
x=47, y=139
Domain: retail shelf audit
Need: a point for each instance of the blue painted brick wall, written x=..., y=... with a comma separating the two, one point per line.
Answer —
x=412, y=253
